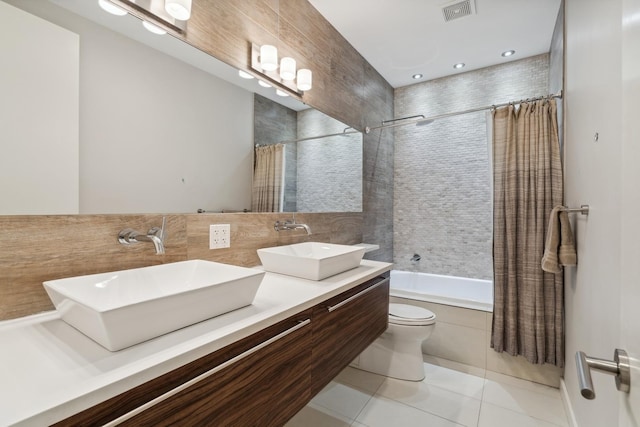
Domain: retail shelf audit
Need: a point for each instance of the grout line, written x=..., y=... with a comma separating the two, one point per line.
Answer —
x=362, y=409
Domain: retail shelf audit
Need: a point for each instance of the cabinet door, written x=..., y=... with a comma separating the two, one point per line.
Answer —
x=262, y=380
x=344, y=326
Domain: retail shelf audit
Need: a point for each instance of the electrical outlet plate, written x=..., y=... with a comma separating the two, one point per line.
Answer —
x=219, y=236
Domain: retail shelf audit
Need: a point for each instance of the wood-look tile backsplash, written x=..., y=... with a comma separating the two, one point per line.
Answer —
x=34, y=249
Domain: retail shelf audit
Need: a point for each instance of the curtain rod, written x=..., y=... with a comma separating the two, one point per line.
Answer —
x=426, y=120
x=344, y=132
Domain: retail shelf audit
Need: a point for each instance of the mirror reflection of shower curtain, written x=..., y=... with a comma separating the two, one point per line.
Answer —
x=268, y=178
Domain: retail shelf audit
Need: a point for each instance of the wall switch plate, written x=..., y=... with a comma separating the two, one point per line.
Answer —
x=219, y=236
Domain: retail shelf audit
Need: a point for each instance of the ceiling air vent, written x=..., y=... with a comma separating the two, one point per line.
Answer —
x=458, y=10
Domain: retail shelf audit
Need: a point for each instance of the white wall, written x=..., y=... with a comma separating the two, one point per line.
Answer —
x=156, y=134
x=38, y=115
x=592, y=176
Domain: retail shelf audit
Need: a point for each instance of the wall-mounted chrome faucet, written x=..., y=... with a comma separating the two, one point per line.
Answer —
x=155, y=235
x=415, y=258
x=290, y=225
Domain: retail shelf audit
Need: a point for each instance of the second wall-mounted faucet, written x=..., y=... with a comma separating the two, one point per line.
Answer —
x=291, y=225
x=155, y=235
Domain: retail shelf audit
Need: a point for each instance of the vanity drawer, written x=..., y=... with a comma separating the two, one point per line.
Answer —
x=344, y=326
x=262, y=380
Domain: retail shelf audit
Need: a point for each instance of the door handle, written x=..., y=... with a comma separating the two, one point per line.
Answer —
x=619, y=367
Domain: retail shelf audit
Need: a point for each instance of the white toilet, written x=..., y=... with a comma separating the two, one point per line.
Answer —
x=397, y=353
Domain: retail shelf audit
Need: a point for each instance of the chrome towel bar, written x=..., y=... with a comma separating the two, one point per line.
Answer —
x=583, y=209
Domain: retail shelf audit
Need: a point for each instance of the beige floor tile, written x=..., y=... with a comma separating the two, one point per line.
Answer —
x=453, y=380
x=525, y=401
x=311, y=416
x=364, y=380
x=383, y=412
x=435, y=400
x=496, y=416
x=342, y=399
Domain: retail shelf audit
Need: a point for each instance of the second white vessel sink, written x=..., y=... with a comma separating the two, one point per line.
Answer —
x=311, y=260
x=123, y=308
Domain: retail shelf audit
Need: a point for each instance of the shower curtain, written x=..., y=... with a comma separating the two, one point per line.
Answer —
x=528, y=317
x=268, y=179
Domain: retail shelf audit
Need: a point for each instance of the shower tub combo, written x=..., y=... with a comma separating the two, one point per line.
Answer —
x=463, y=307
x=464, y=310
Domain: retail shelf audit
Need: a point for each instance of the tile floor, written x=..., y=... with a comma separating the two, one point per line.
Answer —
x=451, y=395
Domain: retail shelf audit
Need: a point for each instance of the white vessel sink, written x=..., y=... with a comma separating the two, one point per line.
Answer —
x=311, y=260
x=123, y=308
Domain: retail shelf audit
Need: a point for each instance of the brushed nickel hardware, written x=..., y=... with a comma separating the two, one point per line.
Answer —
x=155, y=235
x=358, y=295
x=583, y=209
x=427, y=120
x=290, y=225
x=620, y=367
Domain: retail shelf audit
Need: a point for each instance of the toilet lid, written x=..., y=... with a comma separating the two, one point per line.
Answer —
x=404, y=314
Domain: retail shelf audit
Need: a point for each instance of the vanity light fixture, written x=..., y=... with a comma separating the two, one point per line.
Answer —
x=508, y=53
x=264, y=60
x=459, y=65
x=179, y=9
x=107, y=6
x=157, y=16
x=417, y=76
x=269, y=57
x=153, y=28
x=245, y=75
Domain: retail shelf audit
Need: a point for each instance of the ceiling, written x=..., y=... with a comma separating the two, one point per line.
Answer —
x=400, y=38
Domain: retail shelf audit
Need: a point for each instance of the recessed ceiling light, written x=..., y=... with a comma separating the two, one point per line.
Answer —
x=281, y=93
x=417, y=76
x=458, y=65
x=244, y=74
x=508, y=53
x=264, y=84
x=111, y=8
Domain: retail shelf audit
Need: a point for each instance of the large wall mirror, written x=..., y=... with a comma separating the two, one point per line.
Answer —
x=135, y=122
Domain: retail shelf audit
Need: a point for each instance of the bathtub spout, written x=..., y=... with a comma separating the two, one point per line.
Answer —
x=416, y=258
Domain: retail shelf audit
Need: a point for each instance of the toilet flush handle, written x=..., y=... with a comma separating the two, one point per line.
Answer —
x=619, y=367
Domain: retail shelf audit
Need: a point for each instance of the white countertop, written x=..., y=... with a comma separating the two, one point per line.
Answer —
x=50, y=371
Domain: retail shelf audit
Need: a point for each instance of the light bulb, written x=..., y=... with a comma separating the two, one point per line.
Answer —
x=179, y=9
x=107, y=6
x=153, y=28
x=304, y=79
x=288, y=68
x=268, y=57
x=244, y=75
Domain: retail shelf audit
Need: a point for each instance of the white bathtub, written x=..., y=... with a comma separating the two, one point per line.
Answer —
x=475, y=294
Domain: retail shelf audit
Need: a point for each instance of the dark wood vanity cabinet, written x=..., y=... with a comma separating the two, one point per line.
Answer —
x=344, y=326
x=262, y=380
